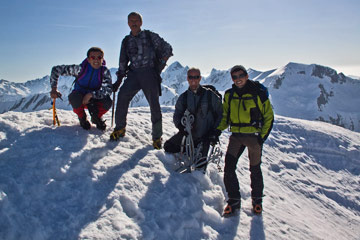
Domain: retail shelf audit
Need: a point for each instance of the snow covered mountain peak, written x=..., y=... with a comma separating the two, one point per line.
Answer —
x=312, y=92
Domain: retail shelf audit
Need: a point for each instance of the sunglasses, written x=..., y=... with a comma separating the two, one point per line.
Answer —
x=238, y=76
x=194, y=77
x=98, y=57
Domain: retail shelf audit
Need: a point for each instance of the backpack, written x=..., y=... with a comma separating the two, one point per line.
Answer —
x=207, y=88
x=257, y=118
x=159, y=65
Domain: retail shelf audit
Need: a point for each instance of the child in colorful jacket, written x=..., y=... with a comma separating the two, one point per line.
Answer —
x=92, y=87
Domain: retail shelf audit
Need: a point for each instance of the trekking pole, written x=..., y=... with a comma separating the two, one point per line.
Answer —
x=112, y=111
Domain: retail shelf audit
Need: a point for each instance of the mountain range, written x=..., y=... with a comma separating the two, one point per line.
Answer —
x=311, y=92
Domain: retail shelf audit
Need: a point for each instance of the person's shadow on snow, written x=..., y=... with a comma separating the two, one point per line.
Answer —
x=174, y=208
x=30, y=162
x=257, y=228
x=48, y=179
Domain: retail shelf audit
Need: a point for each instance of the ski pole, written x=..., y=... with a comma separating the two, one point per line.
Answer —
x=112, y=111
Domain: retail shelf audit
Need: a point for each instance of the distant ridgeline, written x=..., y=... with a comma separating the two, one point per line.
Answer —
x=311, y=92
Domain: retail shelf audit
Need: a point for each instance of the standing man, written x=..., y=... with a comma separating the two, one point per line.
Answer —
x=206, y=107
x=143, y=55
x=248, y=112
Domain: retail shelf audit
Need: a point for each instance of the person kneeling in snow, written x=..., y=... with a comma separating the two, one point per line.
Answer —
x=92, y=88
x=206, y=107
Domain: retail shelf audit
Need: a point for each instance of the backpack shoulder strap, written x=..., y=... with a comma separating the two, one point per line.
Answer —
x=231, y=91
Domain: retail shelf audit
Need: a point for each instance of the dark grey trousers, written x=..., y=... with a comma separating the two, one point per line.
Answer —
x=145, y=79
x=236, y=147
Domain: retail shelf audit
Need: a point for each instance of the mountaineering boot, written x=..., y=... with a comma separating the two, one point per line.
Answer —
x=232, y=207
x=117, y=134
x=94, y=112
x=100, y=124
x=84, y=123
x=157, y=144
x=257, y=205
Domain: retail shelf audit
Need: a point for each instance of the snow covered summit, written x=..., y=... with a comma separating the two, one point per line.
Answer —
x=68, y=183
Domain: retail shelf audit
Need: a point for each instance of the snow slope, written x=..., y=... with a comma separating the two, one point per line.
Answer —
x=67, y=183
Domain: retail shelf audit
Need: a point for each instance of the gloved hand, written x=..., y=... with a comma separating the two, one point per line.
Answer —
x=55, y=93
x=214, y=137
x=118, y=82
x=182, y=130
x=116, y=86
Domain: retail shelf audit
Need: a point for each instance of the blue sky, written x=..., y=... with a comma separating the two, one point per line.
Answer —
x=265, y=34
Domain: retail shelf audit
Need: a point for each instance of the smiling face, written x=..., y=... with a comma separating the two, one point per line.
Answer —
x=239, y=78
x=95, y=59
x=194, y=78
x=135, y=24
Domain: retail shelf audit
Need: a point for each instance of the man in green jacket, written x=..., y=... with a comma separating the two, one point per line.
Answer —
x=248, y=112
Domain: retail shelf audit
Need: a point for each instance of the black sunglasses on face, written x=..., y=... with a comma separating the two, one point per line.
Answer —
x=194, y=77
x=238, y=76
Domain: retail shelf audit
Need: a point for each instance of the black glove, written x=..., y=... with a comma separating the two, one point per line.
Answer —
x=214, y=137
x=182, y=130
x=116, y=85
x=118, y=82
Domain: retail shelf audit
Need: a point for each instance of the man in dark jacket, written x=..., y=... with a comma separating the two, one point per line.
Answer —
x=248, y=112
x=92, y=87
x=143, y=55
x=206, y=107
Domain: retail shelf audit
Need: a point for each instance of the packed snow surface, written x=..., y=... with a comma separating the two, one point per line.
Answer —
x=68, y=183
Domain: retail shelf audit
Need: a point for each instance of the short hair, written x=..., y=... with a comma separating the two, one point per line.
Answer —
x=135, y=14
x=237, y=68
x=95, y=49
x=194, y=69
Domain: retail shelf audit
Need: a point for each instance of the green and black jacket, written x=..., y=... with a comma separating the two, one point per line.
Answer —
x=247, y=110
